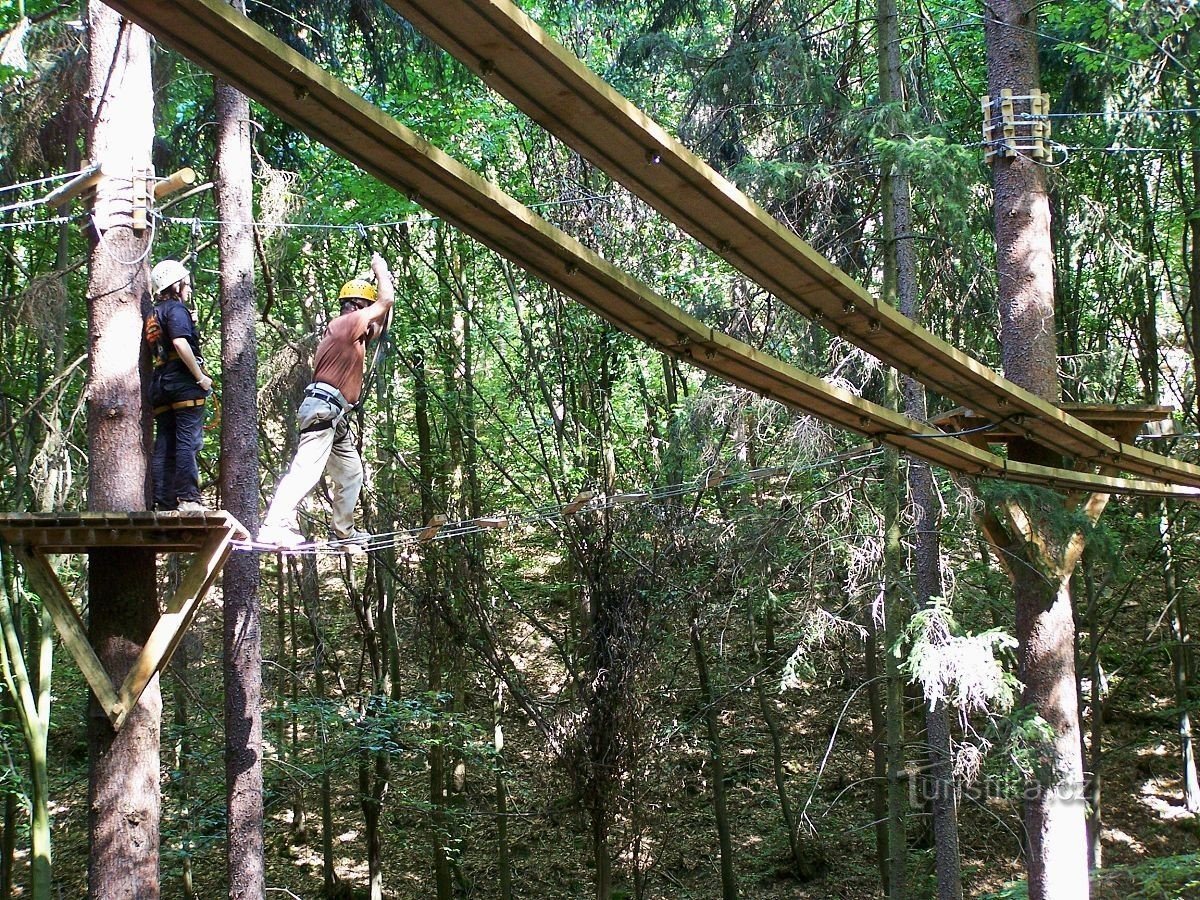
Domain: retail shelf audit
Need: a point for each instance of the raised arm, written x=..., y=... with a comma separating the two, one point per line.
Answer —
x=386, y=291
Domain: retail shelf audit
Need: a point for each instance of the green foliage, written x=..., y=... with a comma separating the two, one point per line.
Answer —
x=1154, y=879
x=971, y=672
x=1018, y=744
x=782, y=98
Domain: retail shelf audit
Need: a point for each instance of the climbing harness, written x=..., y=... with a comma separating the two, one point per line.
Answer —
x=182, y=404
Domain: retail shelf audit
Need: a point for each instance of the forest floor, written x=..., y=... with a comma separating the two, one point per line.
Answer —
x=1144, y=816
x=549, y=832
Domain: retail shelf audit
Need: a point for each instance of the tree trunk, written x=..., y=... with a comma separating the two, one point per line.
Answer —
x=1054, y=812
x=1095, y=758
x=1180, y=662
x=182, y=777
x=771, y=720
x=716, y=762
x=123, y=786
x=239, y=488
x=921, y=489
x=309, y=591
x=503, y=852
x=897, y=794
x=299, y=830
x=900, y=256
x=443, y=878
x=875, y=703
x=1024, y=261
x=457, y=402
x=8, y=845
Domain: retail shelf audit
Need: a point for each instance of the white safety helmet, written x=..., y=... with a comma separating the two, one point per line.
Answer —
x=167, y=274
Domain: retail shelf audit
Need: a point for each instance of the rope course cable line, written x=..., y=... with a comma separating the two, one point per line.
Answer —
x=359, y=226
x=56, y=220
x=1127, y=113
x=20, y=205
x=583, y=503
x=35, y=182
x=981, y=18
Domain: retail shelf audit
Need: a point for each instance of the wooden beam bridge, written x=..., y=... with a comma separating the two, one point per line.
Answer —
x=523, y=63
x=232, y=47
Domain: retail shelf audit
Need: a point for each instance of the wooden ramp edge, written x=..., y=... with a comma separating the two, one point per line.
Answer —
x=208, y=536
x=523, y=63
x=226, y=43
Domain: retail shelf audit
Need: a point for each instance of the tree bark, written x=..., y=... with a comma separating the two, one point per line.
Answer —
x=239, y=488
x=443, y=879
x=1024, y=261
x=123, y=786
x=1054, y=810
x=1054, y=813
x=897, y=794
x=306, y=576
x=1095, y=753
x=1180, y=661
x=900, y=256
x=875, y=703
x=716, y=762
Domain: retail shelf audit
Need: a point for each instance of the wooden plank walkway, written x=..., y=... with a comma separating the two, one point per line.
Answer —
x=229, y=45
x=519, y=60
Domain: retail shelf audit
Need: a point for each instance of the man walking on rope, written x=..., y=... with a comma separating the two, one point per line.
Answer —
x=324, y=415
x=178, y=390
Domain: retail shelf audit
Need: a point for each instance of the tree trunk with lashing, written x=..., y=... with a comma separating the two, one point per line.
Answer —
x=1054, y=810
x=239, y=489
x=123, y=784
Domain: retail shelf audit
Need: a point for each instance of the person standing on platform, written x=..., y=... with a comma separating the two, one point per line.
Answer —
x=326, y=446
x=178, y=390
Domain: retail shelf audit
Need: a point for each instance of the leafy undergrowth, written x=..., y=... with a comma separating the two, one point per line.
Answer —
x=1154, y=879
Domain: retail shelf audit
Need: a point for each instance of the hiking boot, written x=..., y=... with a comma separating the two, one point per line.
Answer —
x=280, y=536
x=190, y=506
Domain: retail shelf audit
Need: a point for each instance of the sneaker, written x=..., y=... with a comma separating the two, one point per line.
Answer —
x=353, y=541
x=280, y=536
x=190, y=506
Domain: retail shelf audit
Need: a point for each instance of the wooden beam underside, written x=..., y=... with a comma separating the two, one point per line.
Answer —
x=523, y=63
x=1120, y=422
x=70, y=627
x=229, y=45
x=206, y=535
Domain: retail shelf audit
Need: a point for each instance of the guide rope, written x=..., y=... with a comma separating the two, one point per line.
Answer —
x=515, y=521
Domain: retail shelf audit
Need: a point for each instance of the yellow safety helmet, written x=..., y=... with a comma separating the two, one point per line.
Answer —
x=358, y=289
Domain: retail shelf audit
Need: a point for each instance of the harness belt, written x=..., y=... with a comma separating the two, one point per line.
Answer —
x=182, y=404
x=332, y=395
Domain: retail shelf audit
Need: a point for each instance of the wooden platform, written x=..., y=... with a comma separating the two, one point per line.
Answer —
x=208, y=536
x=1122, y=422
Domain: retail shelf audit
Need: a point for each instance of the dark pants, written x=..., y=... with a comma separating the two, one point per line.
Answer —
x=178, y=434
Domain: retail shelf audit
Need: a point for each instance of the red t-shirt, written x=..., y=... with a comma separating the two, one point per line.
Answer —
x=340, y=355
